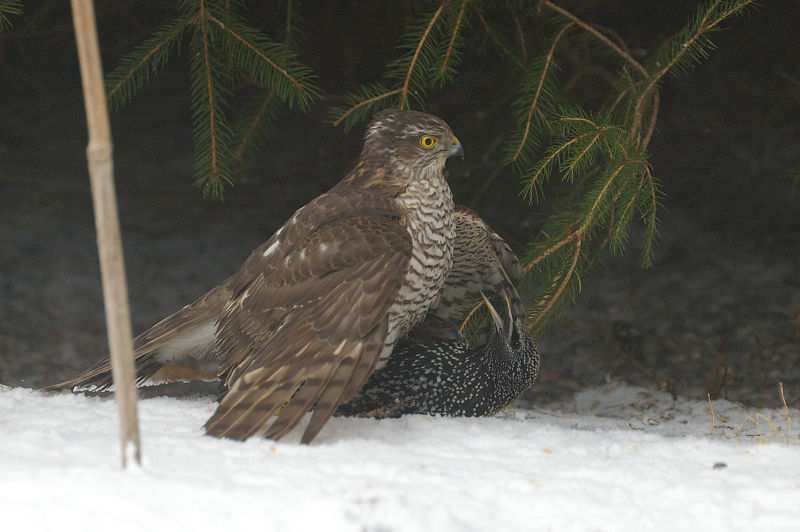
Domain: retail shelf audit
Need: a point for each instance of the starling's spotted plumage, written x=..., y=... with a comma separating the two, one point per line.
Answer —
x=451, y=377
x=315, y=309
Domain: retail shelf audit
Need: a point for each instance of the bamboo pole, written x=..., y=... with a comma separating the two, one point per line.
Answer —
x=109, y=241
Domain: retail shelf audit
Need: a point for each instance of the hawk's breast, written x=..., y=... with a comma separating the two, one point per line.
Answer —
x=428, y=207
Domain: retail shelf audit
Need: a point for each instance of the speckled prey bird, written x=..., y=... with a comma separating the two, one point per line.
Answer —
x=451, y=377
x=320, y=305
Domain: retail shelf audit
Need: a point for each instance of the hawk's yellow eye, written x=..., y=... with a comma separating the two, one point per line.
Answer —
x=427, y=142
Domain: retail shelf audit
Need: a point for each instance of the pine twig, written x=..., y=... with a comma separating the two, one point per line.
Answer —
x=453, y=37
x=537, y=92
x=598, y=35
x=282, y=71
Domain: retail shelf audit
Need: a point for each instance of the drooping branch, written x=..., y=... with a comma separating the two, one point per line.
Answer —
x=250, y=46
x=405, y=87
x=598, y=35
x=527, y=127
x=451, y=45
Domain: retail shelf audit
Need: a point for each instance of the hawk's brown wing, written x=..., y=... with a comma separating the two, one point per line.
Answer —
x=305, y=328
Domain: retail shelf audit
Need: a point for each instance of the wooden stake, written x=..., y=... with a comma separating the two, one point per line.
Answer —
x=109, y=241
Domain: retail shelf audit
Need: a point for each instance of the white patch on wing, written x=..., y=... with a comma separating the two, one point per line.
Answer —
x=193, y=344
x=272, y=248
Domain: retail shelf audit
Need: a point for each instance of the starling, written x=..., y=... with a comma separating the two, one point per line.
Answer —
x=451, y=377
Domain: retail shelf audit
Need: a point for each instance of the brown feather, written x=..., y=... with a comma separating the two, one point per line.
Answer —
x=203, y=311
x=295, y=322
x=482, y=263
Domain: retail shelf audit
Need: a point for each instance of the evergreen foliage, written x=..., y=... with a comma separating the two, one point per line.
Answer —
x=222, y=48
x=9, y=7
x=599, y=151
x=428, y=55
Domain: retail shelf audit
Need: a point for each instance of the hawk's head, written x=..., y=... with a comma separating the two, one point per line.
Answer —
x=403, y=145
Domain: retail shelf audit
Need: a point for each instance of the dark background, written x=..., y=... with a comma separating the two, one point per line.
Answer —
x=716, y=313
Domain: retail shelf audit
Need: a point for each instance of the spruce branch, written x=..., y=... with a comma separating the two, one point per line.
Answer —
x=543, y=70
x=146, y=60
x=655, y=101
x=451, y=53
x=272, y=64
x=406, y=86
x=688, y=48
x=598, y=35
x=599, y=211
x=520, y=63
x=9, y=7
x=254, y=122
x=618, y=236
x=425, y=48
x=362, y=104
x=542, y=169
x=223, y=47
x=648, y=209
x=558, y=288
x=211, y=132
x=544, y=254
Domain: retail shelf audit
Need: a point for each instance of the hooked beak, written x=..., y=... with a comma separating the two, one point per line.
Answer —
x=456, y=148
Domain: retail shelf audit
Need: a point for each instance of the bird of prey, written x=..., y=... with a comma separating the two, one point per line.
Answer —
x=482, y=264
x=320, y=305
x=451, y=377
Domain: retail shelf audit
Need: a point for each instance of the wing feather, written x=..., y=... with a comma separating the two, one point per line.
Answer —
x=306, y=331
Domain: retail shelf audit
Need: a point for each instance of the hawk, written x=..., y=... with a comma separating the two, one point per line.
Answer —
x=319, y=306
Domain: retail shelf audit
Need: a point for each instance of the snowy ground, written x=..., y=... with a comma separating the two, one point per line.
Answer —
x=613, y=458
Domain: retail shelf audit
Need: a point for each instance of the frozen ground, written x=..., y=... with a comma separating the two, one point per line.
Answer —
x=613, y=458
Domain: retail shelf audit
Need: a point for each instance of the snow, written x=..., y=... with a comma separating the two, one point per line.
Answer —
x=611, y=458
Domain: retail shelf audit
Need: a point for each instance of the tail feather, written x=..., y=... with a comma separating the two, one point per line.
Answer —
x=166, y=334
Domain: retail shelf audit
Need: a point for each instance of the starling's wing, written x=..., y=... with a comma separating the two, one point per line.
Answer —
x=177, y=338
x=307, y=329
